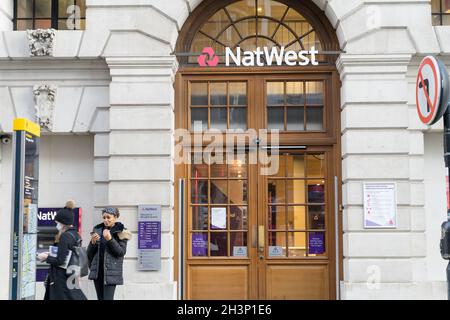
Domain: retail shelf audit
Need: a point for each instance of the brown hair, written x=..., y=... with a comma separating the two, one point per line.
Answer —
x=60, y=232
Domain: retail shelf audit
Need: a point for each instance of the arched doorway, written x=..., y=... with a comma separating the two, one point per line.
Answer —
x=247, y=235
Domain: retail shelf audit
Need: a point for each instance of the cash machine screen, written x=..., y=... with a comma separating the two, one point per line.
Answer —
x=46, y=235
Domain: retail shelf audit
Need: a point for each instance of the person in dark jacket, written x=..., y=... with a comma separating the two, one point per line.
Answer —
x=59, y=285
x=106, y=251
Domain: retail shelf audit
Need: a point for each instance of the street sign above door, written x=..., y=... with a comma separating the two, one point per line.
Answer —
x=432, y=90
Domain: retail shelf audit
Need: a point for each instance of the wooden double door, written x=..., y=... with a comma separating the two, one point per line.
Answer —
x=254, y=228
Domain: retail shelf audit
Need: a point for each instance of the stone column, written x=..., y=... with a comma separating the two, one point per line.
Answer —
x=134, y=163
x=377, y=145
x=6, y=15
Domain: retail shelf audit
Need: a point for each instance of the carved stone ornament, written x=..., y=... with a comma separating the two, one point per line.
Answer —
x=44, y=98
x=41, y=42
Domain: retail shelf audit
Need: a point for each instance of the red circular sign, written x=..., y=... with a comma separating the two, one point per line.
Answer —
x=428, y=90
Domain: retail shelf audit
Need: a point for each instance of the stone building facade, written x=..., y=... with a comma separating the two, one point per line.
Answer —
x=112, y=139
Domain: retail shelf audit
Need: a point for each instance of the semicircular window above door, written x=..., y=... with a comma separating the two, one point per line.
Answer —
x=250, y=24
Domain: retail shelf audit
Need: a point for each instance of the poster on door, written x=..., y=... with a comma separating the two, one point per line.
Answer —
x=199, y=244
x=316, y=243
x=219, y=218
x=380, y=205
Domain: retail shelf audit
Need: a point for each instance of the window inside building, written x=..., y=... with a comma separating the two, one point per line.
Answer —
x=45, y=14
x=218, y=105
x=440, y=10
x=295, y=105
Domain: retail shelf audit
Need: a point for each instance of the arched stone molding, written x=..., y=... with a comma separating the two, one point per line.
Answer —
x=361, y=25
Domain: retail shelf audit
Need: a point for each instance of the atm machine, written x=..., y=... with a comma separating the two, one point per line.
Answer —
x=46, y=235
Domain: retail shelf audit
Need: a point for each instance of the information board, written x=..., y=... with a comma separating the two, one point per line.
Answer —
x=149, y=237
x=380, y=205
x=24, y=209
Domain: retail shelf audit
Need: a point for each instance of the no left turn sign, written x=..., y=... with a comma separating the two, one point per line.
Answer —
x=431, y=90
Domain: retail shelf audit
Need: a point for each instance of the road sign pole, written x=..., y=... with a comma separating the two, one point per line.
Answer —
x=447, y=155
x=433, y=102
x=447, y=186
x=447, y=182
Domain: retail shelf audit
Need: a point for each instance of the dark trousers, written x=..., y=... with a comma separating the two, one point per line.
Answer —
x=104, y=292
x=448, y=281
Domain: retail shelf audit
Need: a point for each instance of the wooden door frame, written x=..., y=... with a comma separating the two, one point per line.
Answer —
x=330, y=229
x=332, y=138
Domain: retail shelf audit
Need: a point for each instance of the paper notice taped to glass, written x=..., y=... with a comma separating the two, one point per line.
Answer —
x=218, y=218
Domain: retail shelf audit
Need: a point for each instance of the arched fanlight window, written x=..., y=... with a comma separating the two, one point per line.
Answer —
x=249, y=24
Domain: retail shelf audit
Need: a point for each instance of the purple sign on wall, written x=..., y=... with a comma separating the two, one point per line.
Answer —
x=316, y=242
x=149, y=235
x=199, y=244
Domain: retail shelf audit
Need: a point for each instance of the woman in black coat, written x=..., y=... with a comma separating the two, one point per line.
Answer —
x=105, y=252
x=59, y=285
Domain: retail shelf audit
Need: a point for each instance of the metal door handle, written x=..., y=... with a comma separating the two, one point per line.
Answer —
x=181, y=253
x=261, y=244
x=254, y=236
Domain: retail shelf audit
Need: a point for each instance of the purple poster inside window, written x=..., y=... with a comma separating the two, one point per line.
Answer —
x=149, y=235
x=199, y=244
x=316, y=242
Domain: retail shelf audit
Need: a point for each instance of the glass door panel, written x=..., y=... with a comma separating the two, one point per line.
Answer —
x=219, y=209
x=296, y=207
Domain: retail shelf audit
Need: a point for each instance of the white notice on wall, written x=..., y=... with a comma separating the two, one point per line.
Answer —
x=380, y=205
x=218, y=218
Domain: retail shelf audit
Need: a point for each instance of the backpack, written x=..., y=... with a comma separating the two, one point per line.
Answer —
x=78, y=260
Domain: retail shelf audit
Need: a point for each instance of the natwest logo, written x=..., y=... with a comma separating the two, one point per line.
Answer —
x=208, y=58
x=268, y=57
x=260, y=57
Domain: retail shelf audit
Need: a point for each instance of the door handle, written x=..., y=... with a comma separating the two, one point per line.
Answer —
x=261, y=237
x=254, y=236
x=181, y=251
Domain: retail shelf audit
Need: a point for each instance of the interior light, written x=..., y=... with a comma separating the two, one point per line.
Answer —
x=259, y=9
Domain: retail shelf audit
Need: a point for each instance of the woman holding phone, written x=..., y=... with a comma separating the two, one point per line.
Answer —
x=105, y=252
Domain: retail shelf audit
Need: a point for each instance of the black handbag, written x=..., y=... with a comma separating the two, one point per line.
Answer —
x=78, y=261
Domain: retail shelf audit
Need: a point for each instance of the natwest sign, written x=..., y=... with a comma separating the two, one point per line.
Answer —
x=46, y=217
x=268, y=57
x=261, y=57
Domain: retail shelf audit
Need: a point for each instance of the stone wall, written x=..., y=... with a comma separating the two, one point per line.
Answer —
x=115, y=80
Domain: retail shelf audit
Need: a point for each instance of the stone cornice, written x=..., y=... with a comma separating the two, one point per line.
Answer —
x=143, y=66
x=388, y=63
